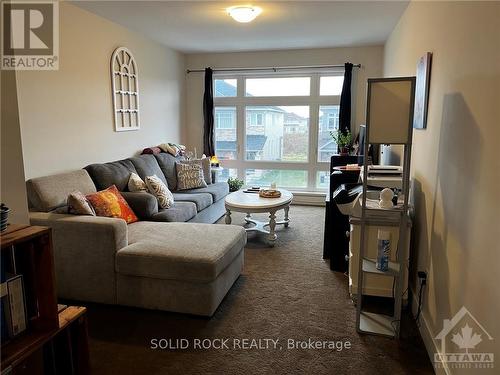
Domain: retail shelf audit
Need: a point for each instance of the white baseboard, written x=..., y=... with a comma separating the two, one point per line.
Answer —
x=431, y=345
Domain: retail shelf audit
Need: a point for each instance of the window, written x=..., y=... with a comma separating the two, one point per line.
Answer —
x=328, y=122
x=255, y=118
x=225, y=118
x=225, y=133
x=267, y=138
x=226, y=173
x=283, y=178
x=323, y=179
x=277, y=128
x=283, y=86
x=331, y=85
x=225, y=88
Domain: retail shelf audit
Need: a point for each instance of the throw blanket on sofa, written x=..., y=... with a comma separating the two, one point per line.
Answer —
x=151, y=150
x=171, y=148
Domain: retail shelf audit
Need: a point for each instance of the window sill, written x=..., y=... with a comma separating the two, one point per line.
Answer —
x=309, y=198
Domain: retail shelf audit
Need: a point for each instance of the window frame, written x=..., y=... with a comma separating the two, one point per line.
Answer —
x=312, y=166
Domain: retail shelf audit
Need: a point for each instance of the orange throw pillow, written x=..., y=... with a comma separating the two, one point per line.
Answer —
x=110, y=203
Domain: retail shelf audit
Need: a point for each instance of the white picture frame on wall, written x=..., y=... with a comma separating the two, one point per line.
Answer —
x=125, y=90
x=422, y=91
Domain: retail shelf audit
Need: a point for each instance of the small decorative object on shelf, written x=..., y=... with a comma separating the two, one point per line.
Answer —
x=235, y=184
x=343, y=140
x=386, y=196
x=214, y=161
x=4, y=217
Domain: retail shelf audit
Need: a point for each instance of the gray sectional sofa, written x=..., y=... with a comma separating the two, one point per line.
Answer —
x=203, y=205
x=172, y=259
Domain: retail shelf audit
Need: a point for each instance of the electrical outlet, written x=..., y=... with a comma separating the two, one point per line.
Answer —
x=422, y=275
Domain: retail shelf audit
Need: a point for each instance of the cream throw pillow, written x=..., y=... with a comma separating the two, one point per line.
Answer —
x=160, y=191
x=135, y=183
x=189, y=176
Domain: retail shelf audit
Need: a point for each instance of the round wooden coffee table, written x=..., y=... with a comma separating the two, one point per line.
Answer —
x=250, y=203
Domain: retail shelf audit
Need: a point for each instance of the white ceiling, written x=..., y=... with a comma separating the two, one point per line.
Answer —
x=204, y=26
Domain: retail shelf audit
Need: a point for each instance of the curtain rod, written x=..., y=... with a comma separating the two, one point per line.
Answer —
x=271, y=68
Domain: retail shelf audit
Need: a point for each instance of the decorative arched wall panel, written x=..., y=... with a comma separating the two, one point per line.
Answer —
x=125, y=81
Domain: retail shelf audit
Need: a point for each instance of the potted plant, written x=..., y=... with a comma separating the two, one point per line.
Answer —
x=343, y=140
x=235, y=184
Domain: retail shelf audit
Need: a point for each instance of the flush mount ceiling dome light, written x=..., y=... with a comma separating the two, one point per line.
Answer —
x=244, y=13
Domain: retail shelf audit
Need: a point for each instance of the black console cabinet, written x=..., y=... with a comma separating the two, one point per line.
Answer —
x=336, y=243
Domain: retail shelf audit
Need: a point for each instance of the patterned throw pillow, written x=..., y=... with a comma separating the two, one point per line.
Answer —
x=160, y=191
x=189, y=176
x=110, y=203
x=79, y=205
x=205, y=165
x=135, y=183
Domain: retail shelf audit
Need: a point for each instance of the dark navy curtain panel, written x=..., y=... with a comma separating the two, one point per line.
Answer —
x=345, y=100
x=208, y=114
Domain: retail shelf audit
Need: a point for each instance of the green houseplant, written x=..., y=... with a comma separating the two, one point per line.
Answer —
x=343, y=140
x=235, y=184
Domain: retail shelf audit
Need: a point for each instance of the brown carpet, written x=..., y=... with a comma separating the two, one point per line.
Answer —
x=285, y=292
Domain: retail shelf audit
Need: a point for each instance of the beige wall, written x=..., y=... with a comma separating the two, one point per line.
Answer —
x=12, y=188
x=371, y=59
x=455, y=161
x=66, y=115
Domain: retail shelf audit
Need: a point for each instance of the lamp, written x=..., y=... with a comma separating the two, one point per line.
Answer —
x=244, y=13
x=214, y=161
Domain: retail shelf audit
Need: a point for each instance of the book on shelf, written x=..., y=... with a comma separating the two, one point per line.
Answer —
x=13, y=298
x=14, y=307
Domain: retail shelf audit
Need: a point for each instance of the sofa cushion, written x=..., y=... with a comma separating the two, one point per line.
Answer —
x=180, y=251
x=114, y=173
x=202, y=200
x=179, y=212
x=49, y=192
x=167, y=166
x=146, y=165
x=145, y=205
x=218, y=190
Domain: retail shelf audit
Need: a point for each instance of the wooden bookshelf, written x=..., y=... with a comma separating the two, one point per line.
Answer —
x=55, y=341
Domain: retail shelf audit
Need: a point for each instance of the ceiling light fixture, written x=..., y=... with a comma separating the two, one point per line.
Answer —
x=244, y=13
